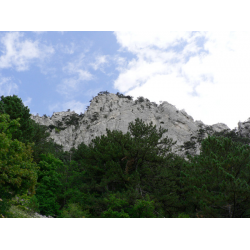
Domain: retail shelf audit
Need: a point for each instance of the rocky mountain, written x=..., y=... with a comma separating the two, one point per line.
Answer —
x=116, y=111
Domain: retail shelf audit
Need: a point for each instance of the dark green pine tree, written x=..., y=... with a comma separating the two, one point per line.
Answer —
x=43, y=144
x=29, y=130
x=71, y=173
x=49, y=185
x=135, y=164
x=194, y=142
x=78, y=154
x=14, y=107
x=234, y=135
x=218, y=180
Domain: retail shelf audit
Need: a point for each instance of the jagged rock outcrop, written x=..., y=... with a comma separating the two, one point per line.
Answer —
x=244, y=128
x=109, y=111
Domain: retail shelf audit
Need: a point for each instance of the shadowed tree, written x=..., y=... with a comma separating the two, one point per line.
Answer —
x=219, y=179
x=135, y=164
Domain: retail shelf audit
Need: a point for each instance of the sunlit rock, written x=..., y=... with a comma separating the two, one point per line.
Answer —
x=109, y=111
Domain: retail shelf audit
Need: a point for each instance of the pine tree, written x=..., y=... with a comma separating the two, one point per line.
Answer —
x=29, y=130
x=49, y=184
x=219, y=179
x=14, y=107
x=136, y=164
x=195, y=141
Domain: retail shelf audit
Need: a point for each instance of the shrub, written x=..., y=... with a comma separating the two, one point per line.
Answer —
x=26, y=203
x=59, y=124
x=140, y=99
x=123, y=96
x=72, y=120
x=74, y=211
x=95, y=117
x=52, y=127
x=57, y=130
x=103, y=93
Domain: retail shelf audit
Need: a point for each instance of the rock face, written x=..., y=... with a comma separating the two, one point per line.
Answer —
x=244, y=128
x=109, y=111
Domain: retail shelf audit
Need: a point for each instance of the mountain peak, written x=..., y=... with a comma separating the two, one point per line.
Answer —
x=115, y=112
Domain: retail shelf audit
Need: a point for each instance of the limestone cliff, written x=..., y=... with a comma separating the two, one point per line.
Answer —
x=114, y=112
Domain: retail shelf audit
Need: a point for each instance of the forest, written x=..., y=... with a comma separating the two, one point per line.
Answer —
x=132, y=175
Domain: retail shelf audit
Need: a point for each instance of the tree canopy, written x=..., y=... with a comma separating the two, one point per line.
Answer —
x=14, y=107
x=219, y=179
x=18, y=172
x=133, y=166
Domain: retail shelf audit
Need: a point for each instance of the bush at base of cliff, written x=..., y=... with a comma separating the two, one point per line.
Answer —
x=57, y=130
x=17, y=212
x=73, y=210
x=183, y=215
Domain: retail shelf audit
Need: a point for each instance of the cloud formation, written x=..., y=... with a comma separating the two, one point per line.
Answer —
x=73, y=105
x=206, y=73
x=76, y=75
x=18, y=52
x=100, y=60
x=7, y=86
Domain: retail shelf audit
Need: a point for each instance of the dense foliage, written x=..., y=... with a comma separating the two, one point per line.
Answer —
x=218, y=180
x=18, y=172
x=132, y=175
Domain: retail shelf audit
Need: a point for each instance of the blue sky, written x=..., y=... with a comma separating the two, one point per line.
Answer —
x=205, y=73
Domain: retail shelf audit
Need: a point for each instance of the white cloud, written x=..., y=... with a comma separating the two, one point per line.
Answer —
x=206, y=73
x=121, y=63
x=135, y=41
x=19, y=53
x=7, y=86
x=76, y=106
x=100, y=60
x=73, y=105
x=78, y=77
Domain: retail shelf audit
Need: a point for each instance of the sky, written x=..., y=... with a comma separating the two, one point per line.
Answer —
x=205, y=73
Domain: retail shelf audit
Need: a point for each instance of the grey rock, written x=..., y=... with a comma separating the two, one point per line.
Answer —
x=244, y=128
x=108, y=111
